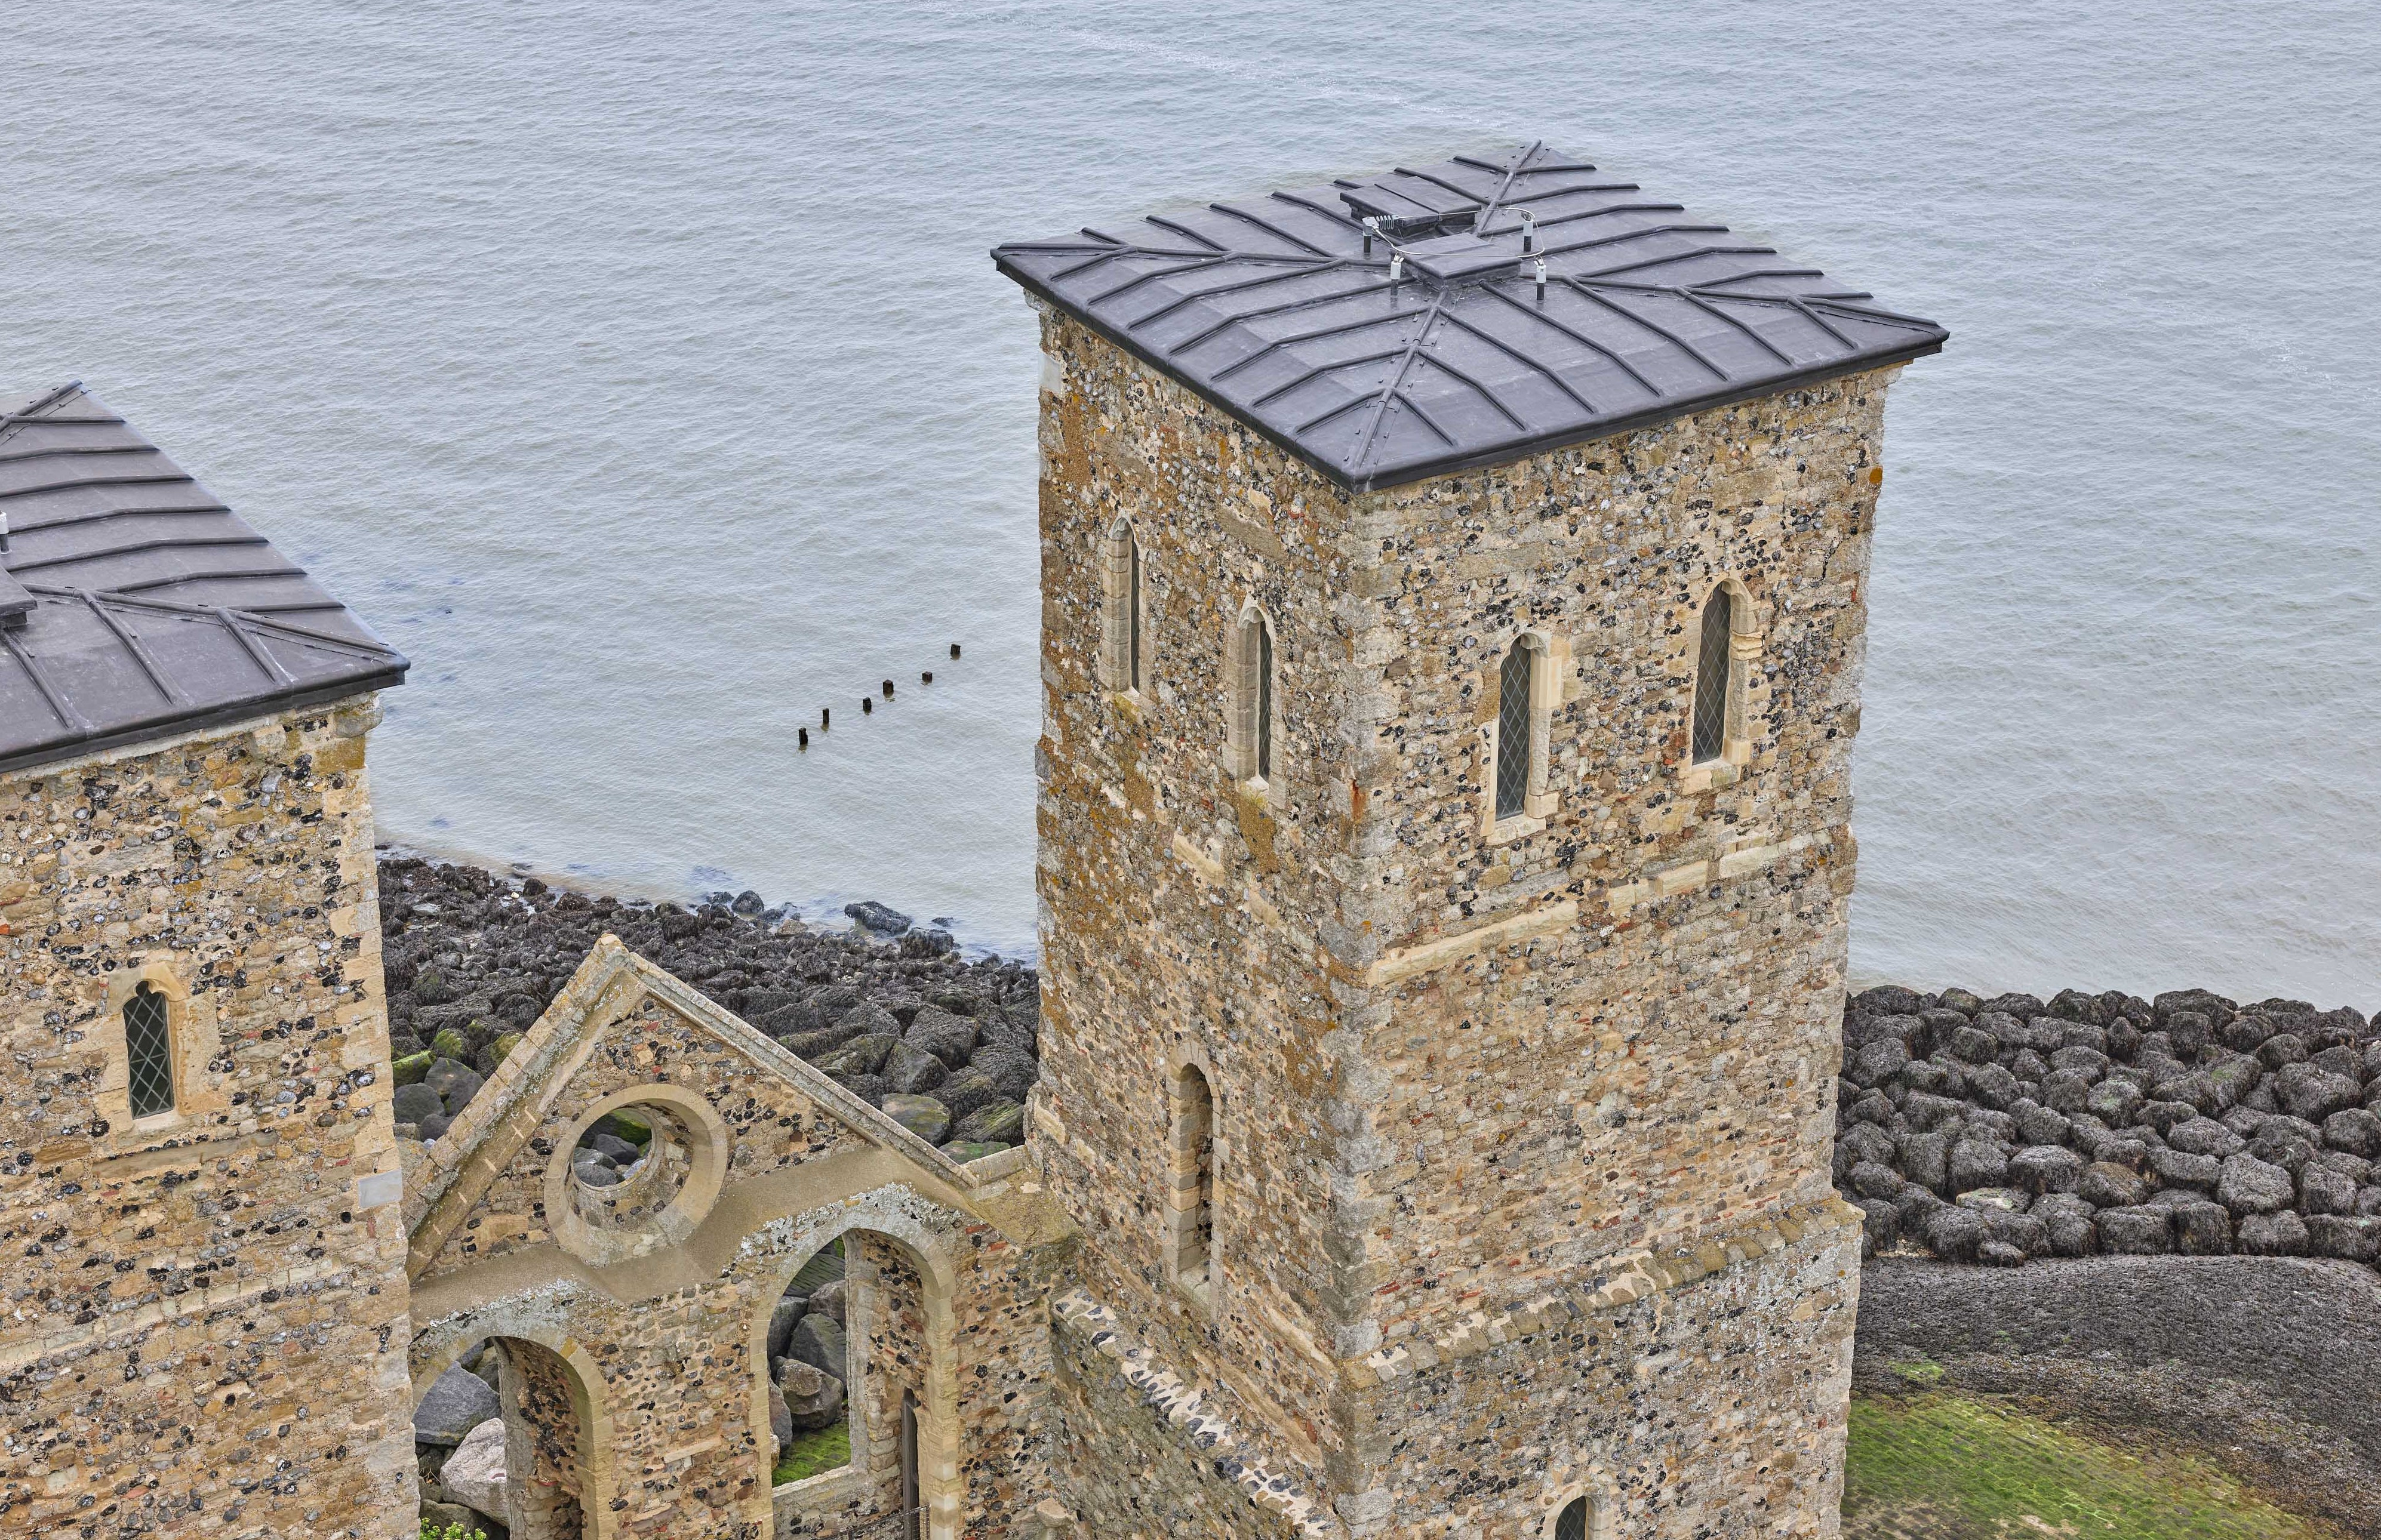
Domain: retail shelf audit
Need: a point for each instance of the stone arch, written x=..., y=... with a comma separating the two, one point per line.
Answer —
x=1586, y=1503
x=1193, y=1139
x=891, y=1215
x=540, y=1360
x=1124, y=613
x=1253, y=746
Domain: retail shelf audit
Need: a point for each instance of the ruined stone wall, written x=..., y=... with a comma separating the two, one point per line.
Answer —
x=897, y=1340
x=204, y=1323
x=1457, y=1060
x=545, y=1443
x=1683, y=1397
x=771, y=1126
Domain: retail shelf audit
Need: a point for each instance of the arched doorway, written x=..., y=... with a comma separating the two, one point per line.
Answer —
x=510, y=1441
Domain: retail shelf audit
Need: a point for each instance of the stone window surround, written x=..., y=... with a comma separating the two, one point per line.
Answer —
x=708, y=1138
x=1119, y=598
x=941, y=1486
x=1744, y=657
x=197, y=1048
x=1599, y=1506
x=1548, y=669
x=1189, y=1267
x=1240, y=707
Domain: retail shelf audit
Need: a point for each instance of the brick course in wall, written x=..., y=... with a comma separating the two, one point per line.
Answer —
x=203, y=1324
x=1459, y=1063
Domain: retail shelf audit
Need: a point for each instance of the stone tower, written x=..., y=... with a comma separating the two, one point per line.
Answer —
x=204, y=1323
x=1453, y=603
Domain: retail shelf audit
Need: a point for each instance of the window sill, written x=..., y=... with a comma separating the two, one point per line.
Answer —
x=1709, y=774
x=1520, y=826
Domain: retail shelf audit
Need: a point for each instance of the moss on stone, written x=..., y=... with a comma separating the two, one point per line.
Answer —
x=811, y=1454
x=1946, y=1467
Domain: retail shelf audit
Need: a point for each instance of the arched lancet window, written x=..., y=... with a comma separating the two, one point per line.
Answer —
x=1123, y=641
x=1264, y=698
x=1712, y=667
x=1193, y=1163
x=1513, y=728
x=1132, y=611
x=1251, y=725
x=149, y=1045
x=1572, y=1523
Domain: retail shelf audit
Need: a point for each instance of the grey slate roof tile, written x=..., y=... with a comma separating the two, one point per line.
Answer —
x=1281, y=310
x=133, y=605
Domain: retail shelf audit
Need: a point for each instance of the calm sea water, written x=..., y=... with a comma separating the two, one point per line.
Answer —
x=640, y=371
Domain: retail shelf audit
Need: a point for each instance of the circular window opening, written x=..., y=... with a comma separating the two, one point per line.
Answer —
x=629, y=1166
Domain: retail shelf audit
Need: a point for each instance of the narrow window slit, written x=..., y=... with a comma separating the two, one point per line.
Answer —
x=150, y=1048
x=1711, y=678
x=1513, y=731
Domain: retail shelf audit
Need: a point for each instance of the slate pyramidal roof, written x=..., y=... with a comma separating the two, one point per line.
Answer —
x=1282, y=309
x=134, y=606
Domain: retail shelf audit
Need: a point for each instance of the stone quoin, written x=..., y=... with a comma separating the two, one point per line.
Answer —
x=1453, y=593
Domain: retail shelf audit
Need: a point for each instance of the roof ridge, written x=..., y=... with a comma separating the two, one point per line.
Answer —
x=31, y=411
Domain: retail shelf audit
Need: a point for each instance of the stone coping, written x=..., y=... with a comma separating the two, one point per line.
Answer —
x=1180, y=1403
x=1631, y=1278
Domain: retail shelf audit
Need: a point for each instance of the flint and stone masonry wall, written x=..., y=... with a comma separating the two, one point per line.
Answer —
x=204, y=1322
x=1459, y=1065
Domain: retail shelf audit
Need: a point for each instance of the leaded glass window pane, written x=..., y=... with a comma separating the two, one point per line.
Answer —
x=1264, y=699
x=1132, y=603
x=1711, y=679
x=1572, y=1525
x=1513, y=732
x=151, y=1049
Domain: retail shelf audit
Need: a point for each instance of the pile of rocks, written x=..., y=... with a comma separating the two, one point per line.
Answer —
x=807, y=1351
x=2000, y=1130
x=458, y=1447
x=944, y=1045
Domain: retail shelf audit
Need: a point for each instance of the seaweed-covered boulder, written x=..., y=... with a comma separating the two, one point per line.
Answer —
x=2277, y=1234
x=863, y=1054
x=1954, y=1233
x=994, y=1123
x=784, y=1317
x=921, y=1115
x=2314, y=1094
x=969, y=1089
x=1978, y=1163
x=2356, y=1130
x=2252, y=1186
x=2045, y=1169
x=2138, y=1232
x=911, y=1070
x=2345, y=1236
x=818, y=1342
x=2205, y=1136
x=2067, y=1222
x=948, y=1037
x=456, y=1402
x=414, y=1103
x=2202, y=1229
x=814, y=1397
x=2323, y=1190
x=965, y=1150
